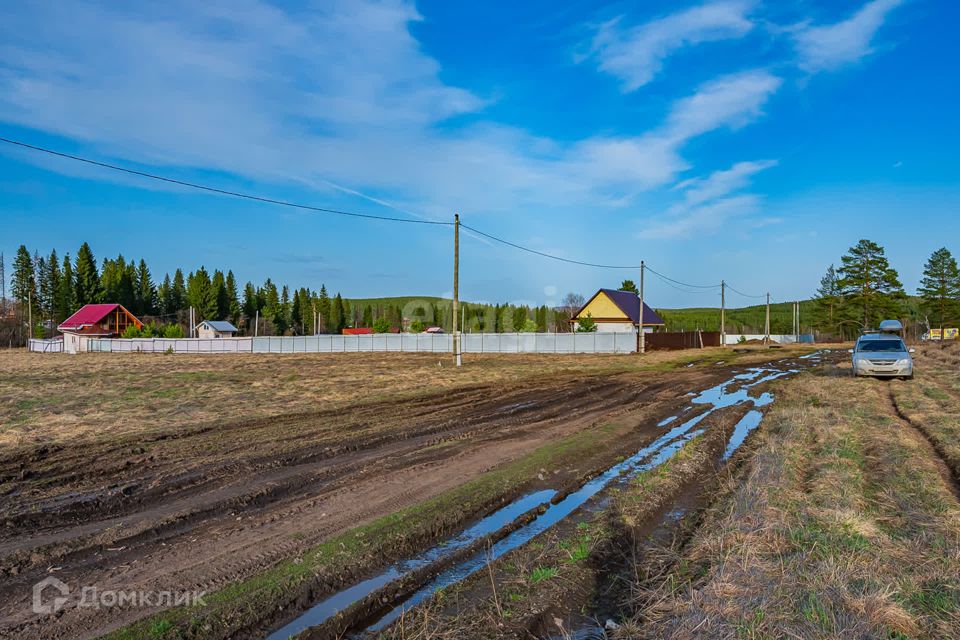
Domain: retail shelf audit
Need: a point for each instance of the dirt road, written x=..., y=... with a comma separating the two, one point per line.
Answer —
x=207, y=506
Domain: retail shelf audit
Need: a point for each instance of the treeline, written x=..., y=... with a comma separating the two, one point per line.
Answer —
x=865, y=289
x=49, y=289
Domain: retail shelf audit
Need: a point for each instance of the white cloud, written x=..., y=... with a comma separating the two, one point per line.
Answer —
x=720, y=183
x=828, y=47
x=703, y=219
x=636, y=55
x=709, y=203
x=729, y=101
x=341, y=97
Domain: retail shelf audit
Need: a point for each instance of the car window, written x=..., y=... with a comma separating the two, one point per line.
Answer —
x=881, y=345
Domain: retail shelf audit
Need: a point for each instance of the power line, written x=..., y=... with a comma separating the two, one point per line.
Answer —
x=547, y=255
x=685, y=284
x=202, y=187
x=745, y=295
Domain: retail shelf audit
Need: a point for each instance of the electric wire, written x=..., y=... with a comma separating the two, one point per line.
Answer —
x=745, y=295
x=203, y=187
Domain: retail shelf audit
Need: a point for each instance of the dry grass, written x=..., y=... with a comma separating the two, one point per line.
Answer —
x=843, y=527
x=51, y=398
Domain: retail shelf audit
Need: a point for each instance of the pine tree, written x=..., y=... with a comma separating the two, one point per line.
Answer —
x=869, y=284
x=367, y=317
x=296, y=318
x=222, y=298
x=232, y=298
x=164, y=292
x=940, y=288
x=178, y=293
x=201, y=295
x=250, y=303
x=50, y=287
x=338, y=315
x=66, y=304
x=86, y=279
x=23, y=285
x=146, y=292
x=629, y=285
x=828, y=301
x=324, y=308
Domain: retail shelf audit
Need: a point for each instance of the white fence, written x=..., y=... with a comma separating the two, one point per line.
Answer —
x=171, y=345
x=734, y=338
x=380, y=342
x=46, y=346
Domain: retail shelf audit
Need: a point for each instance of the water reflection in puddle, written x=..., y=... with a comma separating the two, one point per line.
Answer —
x=650, y=456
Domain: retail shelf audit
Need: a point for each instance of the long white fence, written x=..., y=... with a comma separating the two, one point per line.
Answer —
x=379, y=342
x=45, y=346
x=735, y=338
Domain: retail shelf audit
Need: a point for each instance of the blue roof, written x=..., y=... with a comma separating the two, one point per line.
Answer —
x=220, y=325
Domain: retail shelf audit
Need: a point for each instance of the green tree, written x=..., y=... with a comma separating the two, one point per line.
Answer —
x=146, y=291
x=296, y=317
x=66, y=304
x=23, y=285
x=629, y=285
x=367, y=317
x=870, y=286
x=417, y=326
x=381, y=325
x=232, y=298
x=587, y=324
x=163, y=296
x=201, y=295
x=178, y=293
x=828, y=301
x=940, y=288
x=338, y=315
x=250, y=305
x=86, y=278
x=323, y=308
x=270, y=308
x=219, y=284
x=520, y=315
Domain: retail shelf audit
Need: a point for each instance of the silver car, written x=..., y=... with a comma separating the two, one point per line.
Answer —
x=882, y=355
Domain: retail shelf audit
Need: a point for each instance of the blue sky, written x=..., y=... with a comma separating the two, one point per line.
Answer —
x=738, y=139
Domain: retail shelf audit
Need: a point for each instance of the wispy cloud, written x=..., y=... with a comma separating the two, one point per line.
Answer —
x=711, y=202
x=636, y=54
x=337, y=97
x=829, y=47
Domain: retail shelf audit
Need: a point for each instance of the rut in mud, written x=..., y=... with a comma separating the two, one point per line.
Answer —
x=208, y=506
x=372, y=605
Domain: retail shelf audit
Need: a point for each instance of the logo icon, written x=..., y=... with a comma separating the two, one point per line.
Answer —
x=58, y=601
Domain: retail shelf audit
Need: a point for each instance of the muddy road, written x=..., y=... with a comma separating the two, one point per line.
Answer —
x=211, y=506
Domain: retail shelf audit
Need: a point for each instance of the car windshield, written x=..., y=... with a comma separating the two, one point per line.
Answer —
x=881, y=345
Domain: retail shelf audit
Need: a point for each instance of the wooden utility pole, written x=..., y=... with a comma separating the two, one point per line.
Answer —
x=456, y=288
x=256, y=323
x=29, y=316
x=766, y=323
x=723, y=313
x=643, y=340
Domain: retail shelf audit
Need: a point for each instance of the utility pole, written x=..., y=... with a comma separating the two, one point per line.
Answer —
x=643, y=341
x=29, y=316
x=456, y=287
x=766, y=324
x=723, y=313
x=256, y=323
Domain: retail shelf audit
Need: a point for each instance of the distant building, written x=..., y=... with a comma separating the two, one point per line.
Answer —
x=215, y=329
x=95, y=321
x=614, y=310
x=356, y=331
x=434, y=330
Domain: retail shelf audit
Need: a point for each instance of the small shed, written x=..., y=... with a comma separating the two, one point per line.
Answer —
x=95, y=321
x=614, y=310
x=215, y=329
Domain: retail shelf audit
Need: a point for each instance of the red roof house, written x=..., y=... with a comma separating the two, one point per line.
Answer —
x=105, y=320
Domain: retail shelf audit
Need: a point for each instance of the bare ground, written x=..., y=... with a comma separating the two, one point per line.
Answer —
x=146, y=472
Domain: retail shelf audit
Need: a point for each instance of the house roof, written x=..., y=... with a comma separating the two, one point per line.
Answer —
x=629, y=303
x=90, y=314
x=219, y=325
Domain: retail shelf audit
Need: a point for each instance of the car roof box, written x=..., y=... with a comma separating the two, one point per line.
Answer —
x=891, y=326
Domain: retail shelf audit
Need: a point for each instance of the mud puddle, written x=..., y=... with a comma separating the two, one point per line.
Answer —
x=505, y=535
